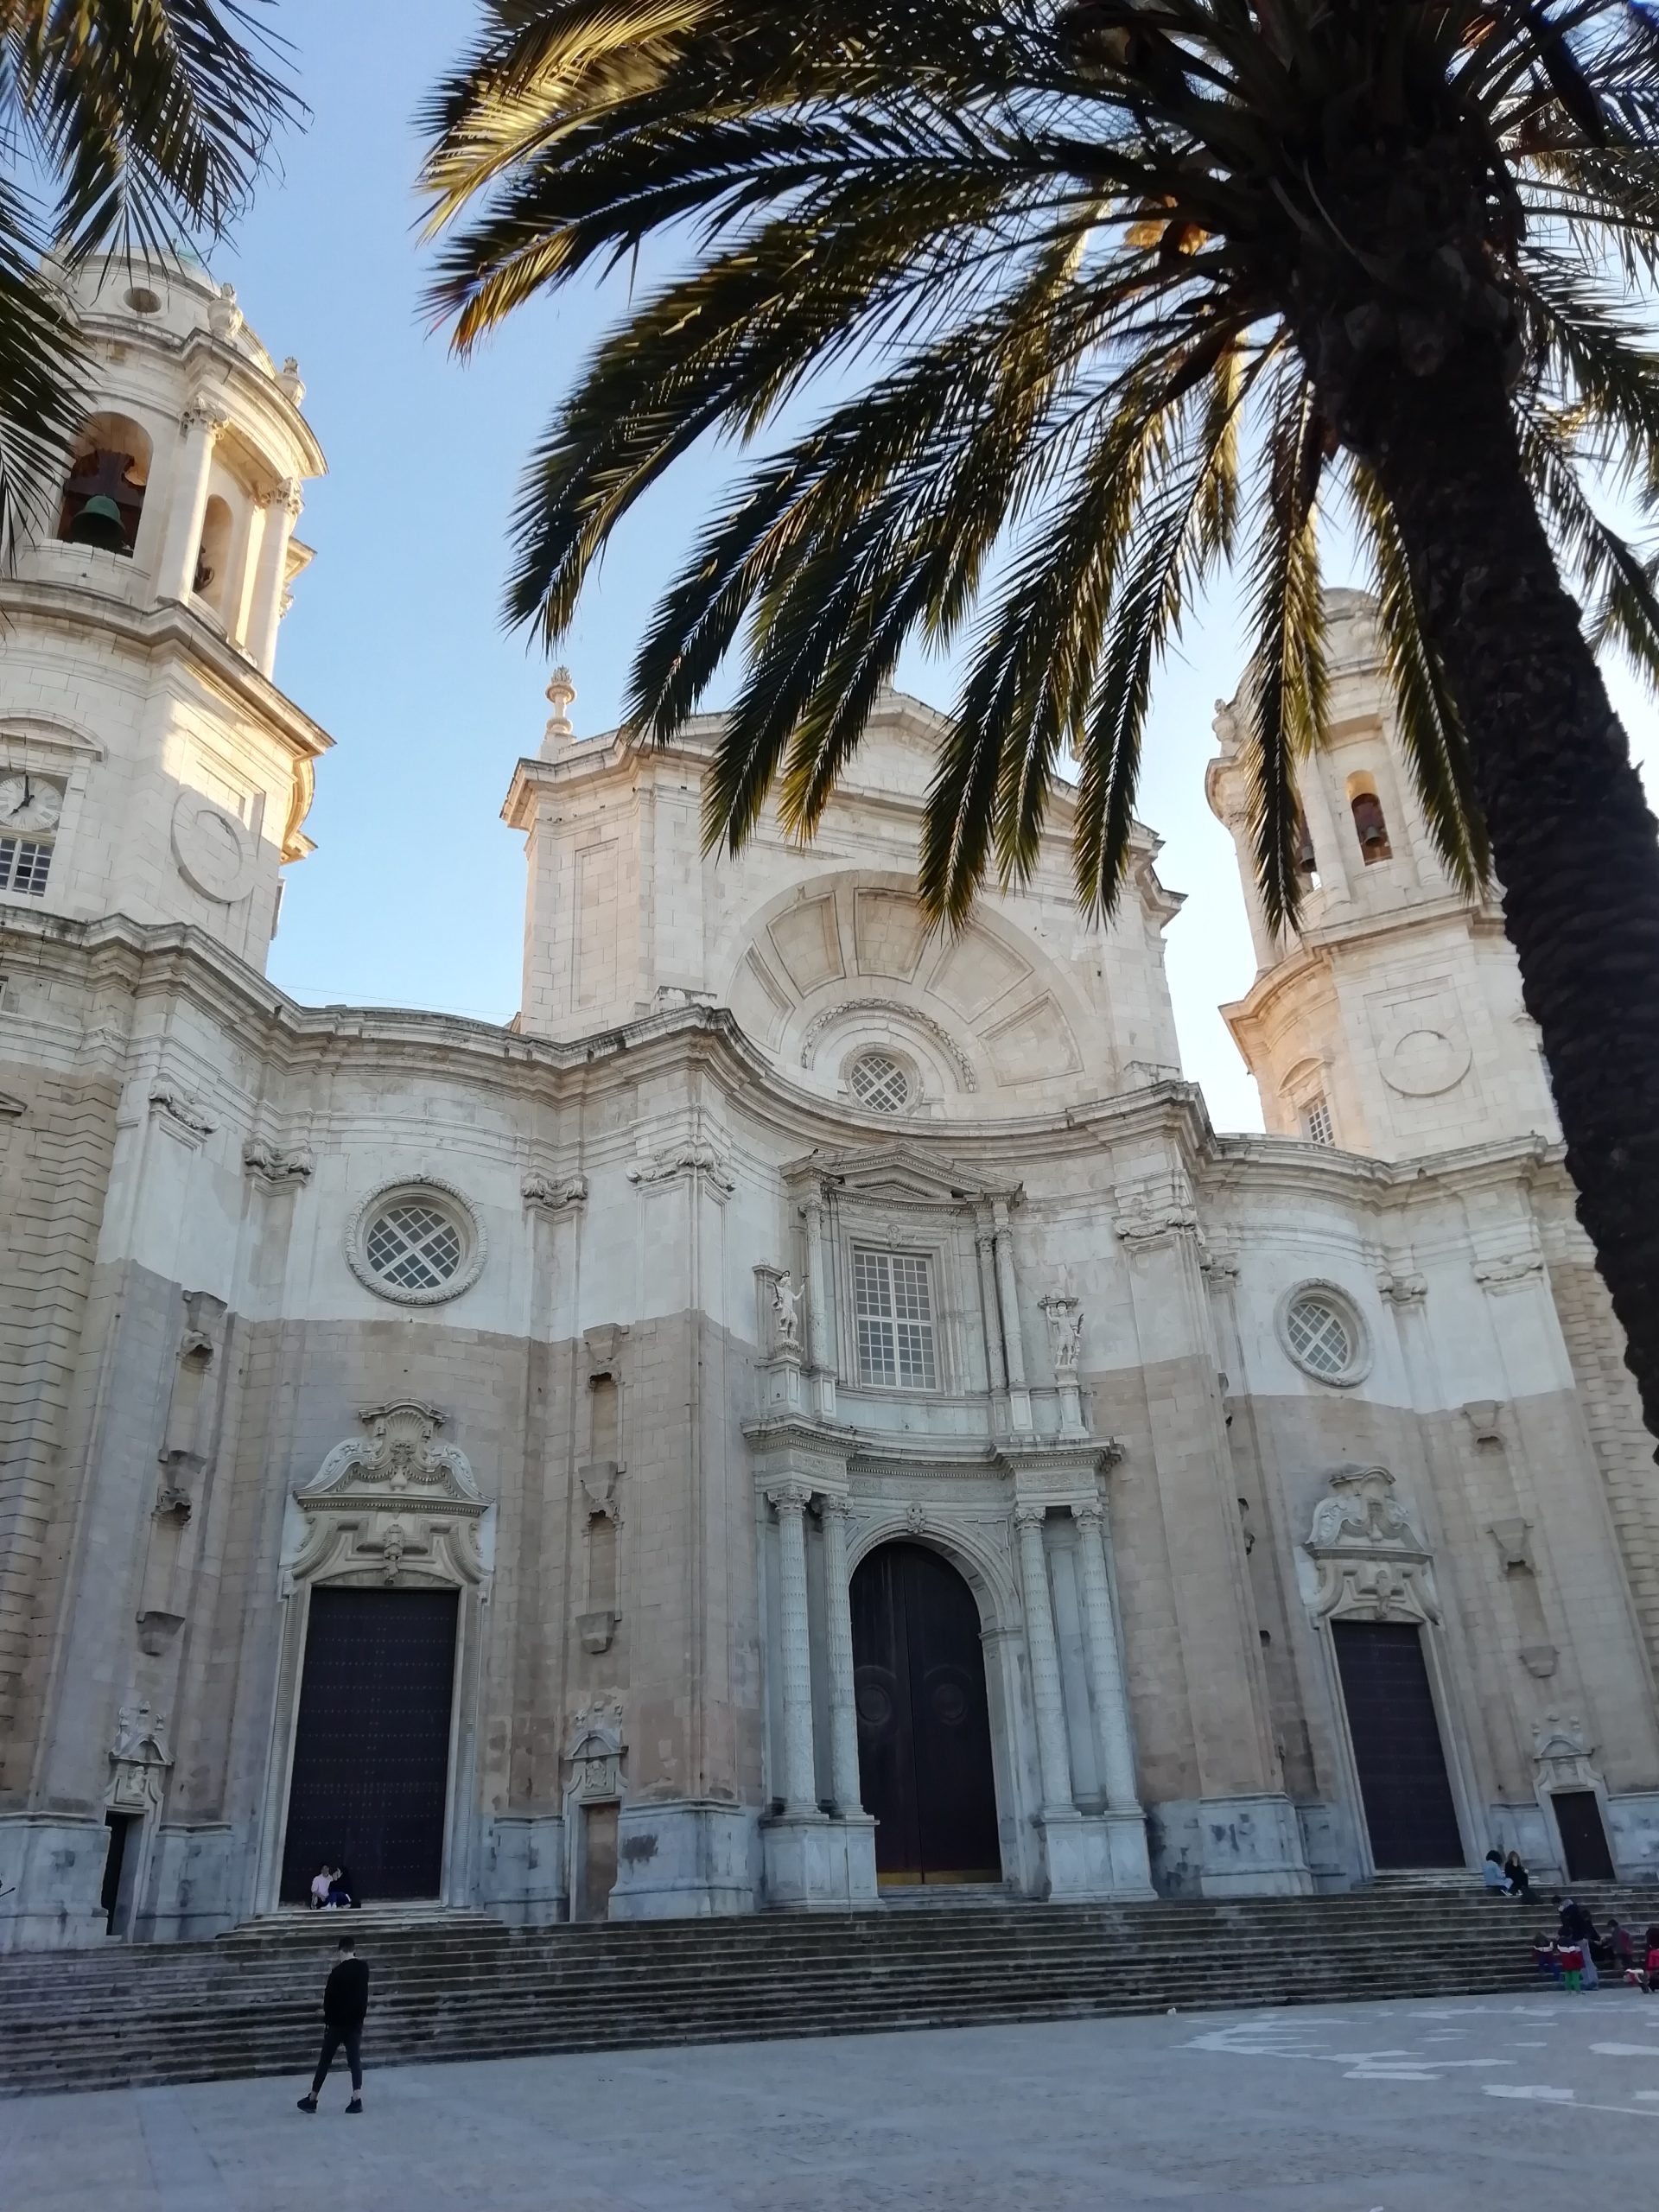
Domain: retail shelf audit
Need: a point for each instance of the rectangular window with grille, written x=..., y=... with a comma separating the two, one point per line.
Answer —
x=1316, y=1119
x=24, y=863
x=893, y=1314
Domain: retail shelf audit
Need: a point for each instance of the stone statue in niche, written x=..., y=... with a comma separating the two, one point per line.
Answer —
x=1065, y=1319
x=786, y=1296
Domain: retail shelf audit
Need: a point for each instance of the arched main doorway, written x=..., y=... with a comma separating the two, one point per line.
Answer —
x=924, y=1723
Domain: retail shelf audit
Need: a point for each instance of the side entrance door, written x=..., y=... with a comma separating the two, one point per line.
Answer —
x=371, y=1744
x=924, y=1725
x=1397, y=1749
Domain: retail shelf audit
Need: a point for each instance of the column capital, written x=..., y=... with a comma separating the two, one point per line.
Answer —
x=203, y=412
x=789, y=1497
x=1090, y=1512
x=1028, y=1513
x=289, y=493
x=834, y=1506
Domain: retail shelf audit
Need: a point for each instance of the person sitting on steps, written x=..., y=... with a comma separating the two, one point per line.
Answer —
x=1520, y=1881
x=321, y=1883
x=345, y=2005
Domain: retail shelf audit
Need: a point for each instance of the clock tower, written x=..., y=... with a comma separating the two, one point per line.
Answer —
x=150, y=767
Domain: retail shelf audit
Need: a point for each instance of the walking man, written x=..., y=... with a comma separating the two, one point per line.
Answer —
x=344, y=2002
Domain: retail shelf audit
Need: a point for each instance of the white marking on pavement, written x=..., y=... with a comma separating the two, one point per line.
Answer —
x=1536, y=2090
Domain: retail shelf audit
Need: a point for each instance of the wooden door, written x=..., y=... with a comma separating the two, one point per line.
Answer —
x=597, y=1862
x=1397, y=1749
x=372, y=1745
x=1584, y=1840
x=924, y=1723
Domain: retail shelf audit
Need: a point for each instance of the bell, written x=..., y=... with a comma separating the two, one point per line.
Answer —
x=100, y=524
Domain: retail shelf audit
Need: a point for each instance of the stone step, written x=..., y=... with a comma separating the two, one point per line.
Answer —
x=465, y=1985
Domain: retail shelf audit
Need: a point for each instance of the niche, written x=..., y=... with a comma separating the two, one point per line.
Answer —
x=599, y=1475
x=213, y=558
x=103, y=492
x=1370, y=824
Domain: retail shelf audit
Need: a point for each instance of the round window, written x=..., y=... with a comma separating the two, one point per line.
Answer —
x=417, y=1242
x=1323, y=1335
x=877, y=1080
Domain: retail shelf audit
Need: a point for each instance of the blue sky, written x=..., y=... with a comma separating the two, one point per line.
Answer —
x=415, y=895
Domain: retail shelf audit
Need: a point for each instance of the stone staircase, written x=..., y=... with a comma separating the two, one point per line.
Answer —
x=459, y=1985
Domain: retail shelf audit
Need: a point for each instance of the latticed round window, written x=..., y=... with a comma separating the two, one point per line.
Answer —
x=877, y=1080
x=413, y=1247
x=416, y=1244
x=1323, y=1335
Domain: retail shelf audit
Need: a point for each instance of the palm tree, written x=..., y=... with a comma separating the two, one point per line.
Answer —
x=1112, y=292
x=123, y=124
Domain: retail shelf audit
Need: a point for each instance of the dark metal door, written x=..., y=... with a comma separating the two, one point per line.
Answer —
x=371, y=1747
x=924, y=1726
x=1396, y=1740
x=1584, y=1840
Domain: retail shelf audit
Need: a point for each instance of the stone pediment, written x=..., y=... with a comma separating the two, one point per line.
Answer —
x=397, y=1463
x=898, y=1173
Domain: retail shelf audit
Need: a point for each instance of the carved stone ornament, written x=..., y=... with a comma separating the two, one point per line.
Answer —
x=596, y=1752
x=141, y=1757
x=786, y=1296
x=1153, y=1209
x=701, y=1163
x=1369, y=1562
x=178, y=1114
x=394, y=1506
x=1563, y=1754
x=553, y=1193
x=278, y=1167
x=1515, y=1271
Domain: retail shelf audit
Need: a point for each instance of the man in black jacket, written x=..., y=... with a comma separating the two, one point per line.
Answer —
x=344, y=2002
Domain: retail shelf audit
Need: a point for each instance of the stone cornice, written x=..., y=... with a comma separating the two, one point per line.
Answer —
x=1287, y=1165
x=158, y=631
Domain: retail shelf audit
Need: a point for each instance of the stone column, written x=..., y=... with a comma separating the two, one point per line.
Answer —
x=199, y=428
x=838, y=1616
x=985, y=1244
x=1012, y=1344
x=790, y=1502
x=1053, y=1757
x=1105, y=1662
x=265, y=613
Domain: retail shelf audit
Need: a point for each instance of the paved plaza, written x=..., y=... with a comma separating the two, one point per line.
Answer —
x=1530, y=2105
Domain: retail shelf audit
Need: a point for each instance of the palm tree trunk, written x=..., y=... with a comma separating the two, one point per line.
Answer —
x=1572, y=840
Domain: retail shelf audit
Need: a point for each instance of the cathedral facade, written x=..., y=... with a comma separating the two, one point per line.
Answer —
x=810, y=1407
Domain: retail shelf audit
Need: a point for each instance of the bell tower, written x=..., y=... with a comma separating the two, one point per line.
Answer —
x=1391, y=1021
x=150, y=767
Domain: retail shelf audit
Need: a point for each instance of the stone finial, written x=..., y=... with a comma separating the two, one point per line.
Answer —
x=560, y=694
x=223, y=315
x=290, y=382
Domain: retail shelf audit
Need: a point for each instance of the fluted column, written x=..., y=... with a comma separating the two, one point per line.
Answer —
x=199, y=428
x=790, y=1502
x=1105, y=1662
x=265, y=613
x=1053, y=1754
x=1012, y=1343
x=838, y=1619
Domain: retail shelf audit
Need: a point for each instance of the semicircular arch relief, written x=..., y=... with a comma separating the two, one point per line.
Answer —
x=846, y=959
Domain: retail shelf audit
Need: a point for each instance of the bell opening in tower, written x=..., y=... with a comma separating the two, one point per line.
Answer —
x=104, y=492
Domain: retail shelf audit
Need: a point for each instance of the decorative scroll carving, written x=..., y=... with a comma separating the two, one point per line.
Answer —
x=394, y=1504
x=141, y=1757
x=1369, y=1562
x=847, y=1009
x=1515, y=1271
x=699, y=1161
x=180, y=1115
x=553, y=1193
x=596, y=1752
x=1154, y=1209
x=278, y=1170
x=1563, y=1754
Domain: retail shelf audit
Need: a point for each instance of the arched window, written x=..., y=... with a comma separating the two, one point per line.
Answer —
x=1370, y=824
x=104, y=492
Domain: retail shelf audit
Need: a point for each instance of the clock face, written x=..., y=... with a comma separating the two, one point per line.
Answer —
x=28, y=803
